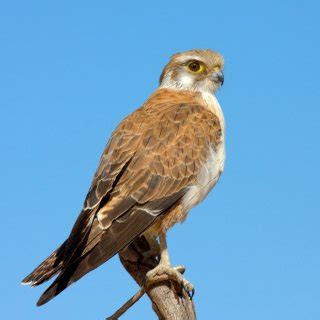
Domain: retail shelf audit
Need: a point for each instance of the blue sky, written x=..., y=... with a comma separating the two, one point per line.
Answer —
x=71, y=70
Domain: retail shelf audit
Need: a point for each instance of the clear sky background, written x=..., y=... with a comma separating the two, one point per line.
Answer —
x=71, y=70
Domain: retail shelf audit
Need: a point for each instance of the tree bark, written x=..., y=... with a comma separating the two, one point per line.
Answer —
x=169, y=301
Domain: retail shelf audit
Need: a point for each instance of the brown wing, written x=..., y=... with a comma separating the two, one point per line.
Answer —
x=154, y=156
x=113, y=161
x=115, y=158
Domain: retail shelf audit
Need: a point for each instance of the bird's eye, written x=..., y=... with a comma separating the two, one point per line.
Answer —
x=195, y=66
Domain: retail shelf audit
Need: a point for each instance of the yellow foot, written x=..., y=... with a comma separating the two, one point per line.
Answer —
x=163, y=273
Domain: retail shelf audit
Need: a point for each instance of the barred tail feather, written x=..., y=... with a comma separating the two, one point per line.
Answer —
x=47, y=269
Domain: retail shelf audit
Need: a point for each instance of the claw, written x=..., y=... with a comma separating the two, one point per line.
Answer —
x=188, y=288
x=163, y=273
x=189, y=293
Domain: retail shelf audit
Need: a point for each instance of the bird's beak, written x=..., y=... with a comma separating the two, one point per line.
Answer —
x=218, y=77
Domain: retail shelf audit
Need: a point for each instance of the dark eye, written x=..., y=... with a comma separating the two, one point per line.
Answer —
x=195, y=66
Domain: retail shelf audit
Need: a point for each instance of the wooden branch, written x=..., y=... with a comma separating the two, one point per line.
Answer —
x=169, y=301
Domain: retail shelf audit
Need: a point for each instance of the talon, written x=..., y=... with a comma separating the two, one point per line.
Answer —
x=188, y=288
x=189, y=293
x=166, y=273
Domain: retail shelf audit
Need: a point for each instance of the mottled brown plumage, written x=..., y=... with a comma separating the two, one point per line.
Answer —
x=149, y=176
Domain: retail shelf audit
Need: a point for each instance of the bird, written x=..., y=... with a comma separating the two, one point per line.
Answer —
x=160, y=162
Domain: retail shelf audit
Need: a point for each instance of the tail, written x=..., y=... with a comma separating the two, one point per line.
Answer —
x=103, y=245
x=47, y=269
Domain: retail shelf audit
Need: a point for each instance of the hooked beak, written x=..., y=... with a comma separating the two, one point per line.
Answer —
x=218, y=77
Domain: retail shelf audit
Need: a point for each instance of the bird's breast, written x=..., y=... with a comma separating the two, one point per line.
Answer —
x=214, y=165
x=207, y=178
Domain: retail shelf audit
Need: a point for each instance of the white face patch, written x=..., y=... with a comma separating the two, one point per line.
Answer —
x=186, y=80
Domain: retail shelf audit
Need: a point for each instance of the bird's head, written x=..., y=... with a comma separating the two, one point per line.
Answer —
x=196, y=70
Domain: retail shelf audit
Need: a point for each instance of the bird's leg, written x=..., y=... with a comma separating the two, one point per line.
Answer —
x=154, y=248
x=165, y=272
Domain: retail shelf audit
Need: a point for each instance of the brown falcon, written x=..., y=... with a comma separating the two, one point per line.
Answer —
x=160, y=161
